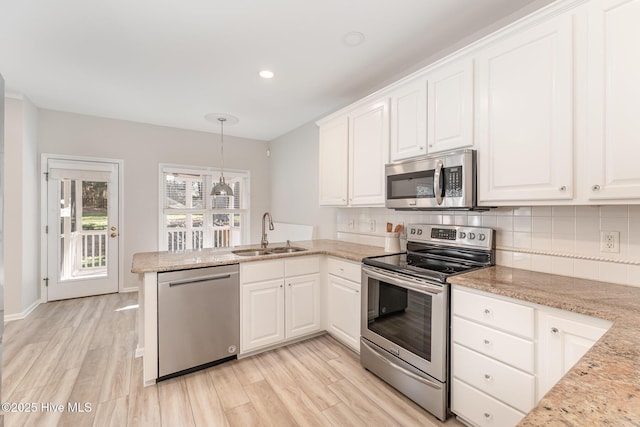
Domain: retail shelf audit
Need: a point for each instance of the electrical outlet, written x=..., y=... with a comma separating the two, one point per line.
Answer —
x=372, y=225
x=610, y=241
x=352, y=224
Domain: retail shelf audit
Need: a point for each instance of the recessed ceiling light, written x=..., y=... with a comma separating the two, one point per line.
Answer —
x=353, y=38
x=266, y=74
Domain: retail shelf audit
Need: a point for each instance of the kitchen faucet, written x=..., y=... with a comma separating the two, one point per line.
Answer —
x=265, y=242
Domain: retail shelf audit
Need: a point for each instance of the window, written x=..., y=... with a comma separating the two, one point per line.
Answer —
x=192, y=219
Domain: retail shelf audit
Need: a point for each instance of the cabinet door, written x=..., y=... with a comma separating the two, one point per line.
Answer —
x=344, y=311
x=562, y=341
x=333, y=163
x=262, y=314
x=368, y=153
x=409, y=121
x=525, y=89
x=302, y=302
x=450, y=95
x=613, y=94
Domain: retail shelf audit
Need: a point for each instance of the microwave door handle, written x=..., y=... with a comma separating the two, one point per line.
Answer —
x=437, y=190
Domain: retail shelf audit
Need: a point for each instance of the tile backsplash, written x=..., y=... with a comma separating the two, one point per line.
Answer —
x=564, y=240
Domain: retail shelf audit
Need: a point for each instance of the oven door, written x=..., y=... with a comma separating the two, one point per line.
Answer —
x=407, y=317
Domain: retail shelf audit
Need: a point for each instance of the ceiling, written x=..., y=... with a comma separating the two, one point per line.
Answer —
x=171, y=62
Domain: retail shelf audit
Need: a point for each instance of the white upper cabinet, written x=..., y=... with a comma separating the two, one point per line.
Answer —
x=613, y=126
x=525, y=132
x=409, y=120
x=368, y=153
x=333, y=161
x=450, y=106
x=354, y=147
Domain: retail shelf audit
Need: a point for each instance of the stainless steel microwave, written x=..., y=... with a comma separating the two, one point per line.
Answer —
x=437, y=182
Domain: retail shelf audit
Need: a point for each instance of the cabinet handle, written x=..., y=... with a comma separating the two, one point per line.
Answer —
x=555, y=331
x=357, y=291
x=487, y=416
x=595, y=188
x=563, y=188
x=487, y=312
x=487, y=342
x=280, y=285
x=488, y=377
x=289, y=285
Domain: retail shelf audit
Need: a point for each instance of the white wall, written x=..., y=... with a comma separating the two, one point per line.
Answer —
x=21, y=211
x=294, y=182
x=142, y=147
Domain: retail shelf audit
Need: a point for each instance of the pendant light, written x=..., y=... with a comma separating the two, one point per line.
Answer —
x=221, y=188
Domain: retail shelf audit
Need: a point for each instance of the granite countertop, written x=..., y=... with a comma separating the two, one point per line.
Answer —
x=148, y=262
x=603, y=388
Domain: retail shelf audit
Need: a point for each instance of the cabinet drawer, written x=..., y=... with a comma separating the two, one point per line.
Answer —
x=507, y=348
x=507, y=316
x=503, y=382
x=260, y=271
x=345, y=269
x=299, y=266
x=480, y=409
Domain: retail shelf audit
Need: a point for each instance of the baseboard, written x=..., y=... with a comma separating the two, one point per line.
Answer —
x=132, y=289
x=27, y=311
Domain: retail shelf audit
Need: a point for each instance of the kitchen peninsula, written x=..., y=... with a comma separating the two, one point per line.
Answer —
x=328, y=255
x=603, y=388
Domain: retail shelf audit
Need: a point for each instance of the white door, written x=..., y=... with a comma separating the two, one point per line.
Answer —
x=368, y=153
x=82, y=228
x=614, y=90
x=450, y=107
x=525, y=140
x=262, y=314
x=334, y=163
x=409, y=121
x=302, y=303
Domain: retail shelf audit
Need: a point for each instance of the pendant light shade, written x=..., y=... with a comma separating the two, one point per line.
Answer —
x=221, y=188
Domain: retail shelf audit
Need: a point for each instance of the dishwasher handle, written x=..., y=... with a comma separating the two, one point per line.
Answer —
x=197, y=279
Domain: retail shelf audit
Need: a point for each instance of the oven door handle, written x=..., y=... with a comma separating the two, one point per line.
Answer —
x=406, y=372
x=437, y=190
x=404, y=283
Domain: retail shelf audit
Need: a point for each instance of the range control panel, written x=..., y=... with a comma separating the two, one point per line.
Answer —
x=478, y=237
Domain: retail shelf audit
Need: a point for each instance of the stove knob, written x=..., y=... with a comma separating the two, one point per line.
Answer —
x=413, y=231
x=481, y=237
x=419, y=231
x=472, y=236
x=463, y=234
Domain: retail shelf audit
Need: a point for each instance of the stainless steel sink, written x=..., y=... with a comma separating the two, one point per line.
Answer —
x=251, y=252
x=268, y=251
x=286, y=250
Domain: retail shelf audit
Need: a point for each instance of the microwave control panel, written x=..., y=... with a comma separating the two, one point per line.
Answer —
x=453, y=181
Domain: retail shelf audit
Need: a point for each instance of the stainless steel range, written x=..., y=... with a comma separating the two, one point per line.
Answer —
x=405, y=309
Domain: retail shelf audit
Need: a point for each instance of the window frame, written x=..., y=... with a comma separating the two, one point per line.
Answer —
x=210, y=177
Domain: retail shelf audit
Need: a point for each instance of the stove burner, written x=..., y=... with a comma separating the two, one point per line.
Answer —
x=441, y=266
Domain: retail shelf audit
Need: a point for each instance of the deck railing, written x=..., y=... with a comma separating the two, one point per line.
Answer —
x=177, y=238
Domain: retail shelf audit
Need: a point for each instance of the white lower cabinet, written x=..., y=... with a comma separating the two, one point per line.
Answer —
x=344, y=304
x=280, y=300
x=506, y=354
x=492, y=364
x=563, y=338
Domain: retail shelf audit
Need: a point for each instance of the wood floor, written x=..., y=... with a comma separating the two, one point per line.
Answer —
x=82, y=351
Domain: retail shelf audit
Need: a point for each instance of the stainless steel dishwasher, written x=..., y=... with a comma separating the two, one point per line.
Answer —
x=198, y=318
